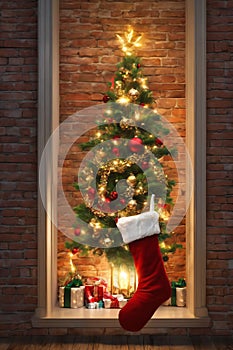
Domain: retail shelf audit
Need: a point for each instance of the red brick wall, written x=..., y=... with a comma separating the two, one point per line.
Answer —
x=18, y=108
x=220, y=164
x=18, y=133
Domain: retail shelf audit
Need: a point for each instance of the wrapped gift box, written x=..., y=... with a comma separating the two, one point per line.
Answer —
x=71, y=297
x=178, y=297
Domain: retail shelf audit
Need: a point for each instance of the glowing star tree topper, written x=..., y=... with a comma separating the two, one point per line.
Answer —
x=129, y=42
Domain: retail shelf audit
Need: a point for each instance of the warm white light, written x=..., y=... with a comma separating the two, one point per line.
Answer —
x=108, y=111
x=124, y=280
x=123, y=99
x=129, y=42
x=72, y=267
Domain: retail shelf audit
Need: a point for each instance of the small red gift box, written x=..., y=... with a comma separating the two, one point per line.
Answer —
x=93, y=293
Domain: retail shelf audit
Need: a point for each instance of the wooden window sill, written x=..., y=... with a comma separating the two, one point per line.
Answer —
x=165, y=316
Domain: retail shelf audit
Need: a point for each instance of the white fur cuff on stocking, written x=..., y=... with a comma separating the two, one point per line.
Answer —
x=139, y=226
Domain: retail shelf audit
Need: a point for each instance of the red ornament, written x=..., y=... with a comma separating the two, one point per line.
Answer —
x=145, y=165
x=142, y=104
x=116, y=137
x=75, y=250
x=162, y=205
x=135, y=145
x=158, y=142
x=116, y=220
x=116, y=151
x=113, y=195
x=122, y=201
x=106, y=98
x=138, y=65
x=91, y=193
x=77, y=231
x=107, y=200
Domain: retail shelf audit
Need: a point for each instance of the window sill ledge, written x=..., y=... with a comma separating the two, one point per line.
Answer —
x=165, y=317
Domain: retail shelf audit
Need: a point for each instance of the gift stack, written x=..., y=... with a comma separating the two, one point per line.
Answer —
x=93, y=294
x=178, y=295
x=72, y=294
x=97, y=296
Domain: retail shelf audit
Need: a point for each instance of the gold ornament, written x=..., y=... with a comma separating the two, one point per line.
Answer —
x=124, y=123
x=132, y=204
x=133, y=94
x=102, y=153
x=131, y=180
x=108, y=242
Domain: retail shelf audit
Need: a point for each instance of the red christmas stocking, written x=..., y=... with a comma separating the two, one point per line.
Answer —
x=153, y=287
x=153, y=284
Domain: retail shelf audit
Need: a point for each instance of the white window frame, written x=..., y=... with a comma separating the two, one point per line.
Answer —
x=195, y=314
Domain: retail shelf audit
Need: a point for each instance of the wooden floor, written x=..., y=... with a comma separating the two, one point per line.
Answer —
x=117, y=343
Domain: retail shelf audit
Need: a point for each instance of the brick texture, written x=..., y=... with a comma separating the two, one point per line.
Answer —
x=87, y=62
x=18, y=133
x=219, y=165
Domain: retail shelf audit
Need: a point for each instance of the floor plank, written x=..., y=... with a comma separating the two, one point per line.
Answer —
x=160, y=342
x=16, y=344
x=223, y=343
x=135, y=342
x=83, y=343
x=120, y=342
x=203, y=343
x=149, y=344
x=181, y=343
x=4, y=345
x=62, y=343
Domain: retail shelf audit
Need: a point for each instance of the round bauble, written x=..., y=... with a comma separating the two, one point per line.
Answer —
x=131, y=180
x=158, y=142
x=165, y=258
x=98, y=251
x=91, y=192
x=75, y=250
x=133, y=93
x=116, y=151
x=115, y=139
x=113, y=195
x=126, y=123
x=107, y=242
x=145, y=165
x=132, y=204
x=123, y=201
x=136, y=145
x=77, y=231
x=106, y=98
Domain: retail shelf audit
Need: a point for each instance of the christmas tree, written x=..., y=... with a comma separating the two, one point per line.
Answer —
x=125, y=164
